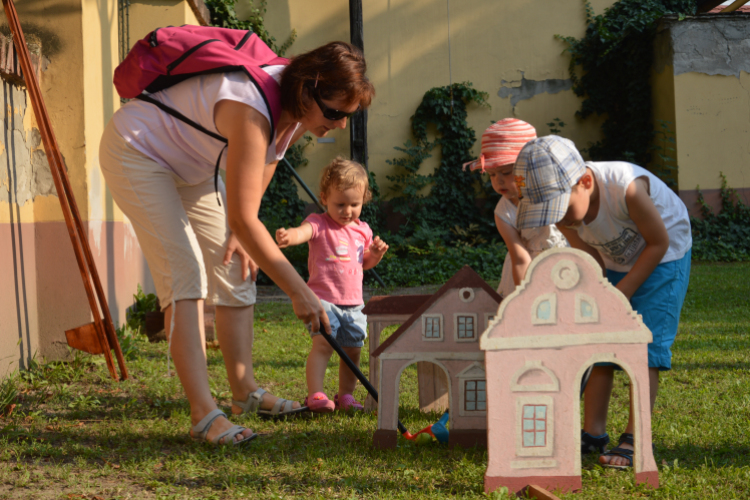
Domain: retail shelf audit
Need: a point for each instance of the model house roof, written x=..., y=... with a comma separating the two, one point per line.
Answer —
x=396, y=305
x=564, y=300
x=465, y=278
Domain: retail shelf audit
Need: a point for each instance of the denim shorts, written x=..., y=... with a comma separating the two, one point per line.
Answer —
x=659, y=300
x=348, y=324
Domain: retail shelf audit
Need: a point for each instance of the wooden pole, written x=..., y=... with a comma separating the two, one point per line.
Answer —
x=104, y=328
x=358, y=122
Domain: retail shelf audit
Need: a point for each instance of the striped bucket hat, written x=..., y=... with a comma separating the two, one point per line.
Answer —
x=546, y=170
x=501, y=143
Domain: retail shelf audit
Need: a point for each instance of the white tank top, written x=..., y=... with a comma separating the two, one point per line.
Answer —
x=177, y=146
x=614, y=234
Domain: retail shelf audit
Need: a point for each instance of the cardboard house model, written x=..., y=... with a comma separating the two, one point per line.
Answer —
x=444, y=331
x=563, y=318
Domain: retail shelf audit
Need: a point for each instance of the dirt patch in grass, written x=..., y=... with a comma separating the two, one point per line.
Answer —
x=55, y=481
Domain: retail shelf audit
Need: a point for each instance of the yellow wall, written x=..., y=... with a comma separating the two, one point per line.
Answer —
x=100, y=57
x=62, y=85
x=406, y=45
x=663, y=102
x=147, y=15
x=700, y=84
x=713, y=130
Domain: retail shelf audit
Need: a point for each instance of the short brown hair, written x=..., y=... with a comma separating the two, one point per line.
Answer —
x=339, y=69
x=343, y=174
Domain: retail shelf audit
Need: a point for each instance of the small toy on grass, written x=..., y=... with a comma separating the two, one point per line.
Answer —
x=442, y=333
x=423, y=438
x=437, y=430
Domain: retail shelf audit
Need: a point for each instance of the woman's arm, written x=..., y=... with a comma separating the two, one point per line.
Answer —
x=576, y=242
x=651, y=226
x=519, y=256
x=248, y=133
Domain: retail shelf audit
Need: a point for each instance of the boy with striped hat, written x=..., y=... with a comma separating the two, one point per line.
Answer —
x=501, y=144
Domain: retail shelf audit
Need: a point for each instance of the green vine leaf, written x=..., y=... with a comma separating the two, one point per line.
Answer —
x=614, y=58
x=224, y=16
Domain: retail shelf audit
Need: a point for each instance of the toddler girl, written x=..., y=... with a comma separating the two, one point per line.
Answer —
x=501, y=144
x=341, y=247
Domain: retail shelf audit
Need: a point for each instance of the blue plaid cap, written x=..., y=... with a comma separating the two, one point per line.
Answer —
x=545, y=171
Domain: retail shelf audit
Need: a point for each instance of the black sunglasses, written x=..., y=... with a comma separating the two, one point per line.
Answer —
x=329, y=113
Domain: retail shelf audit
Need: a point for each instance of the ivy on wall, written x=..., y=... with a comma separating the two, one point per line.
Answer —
x=455, y=207
x=445, y=227
x=224, y=16
x=722, y=237
x=615, y=57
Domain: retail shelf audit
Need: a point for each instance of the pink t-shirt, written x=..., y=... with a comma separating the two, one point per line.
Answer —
x=335, y=261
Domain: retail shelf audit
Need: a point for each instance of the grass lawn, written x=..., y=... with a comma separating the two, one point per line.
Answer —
x=76, y=434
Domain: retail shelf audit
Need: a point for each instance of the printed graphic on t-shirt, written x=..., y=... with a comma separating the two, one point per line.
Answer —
x=342, y=250
x=624, y=247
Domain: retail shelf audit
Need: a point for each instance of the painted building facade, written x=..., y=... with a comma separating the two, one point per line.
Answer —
x=701, y=80
x=564, y=317
x=509, y=50
x=41, y=292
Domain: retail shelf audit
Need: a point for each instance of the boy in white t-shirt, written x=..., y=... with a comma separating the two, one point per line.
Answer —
x=638, y=230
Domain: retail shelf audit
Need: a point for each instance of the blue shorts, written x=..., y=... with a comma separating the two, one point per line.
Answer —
x=659, y=300
x=348, y=324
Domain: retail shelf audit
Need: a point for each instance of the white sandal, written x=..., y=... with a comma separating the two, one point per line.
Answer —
x=200, y=431
x=282, y=407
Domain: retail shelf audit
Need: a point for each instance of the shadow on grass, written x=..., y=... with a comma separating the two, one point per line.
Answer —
x=713, y=366
x=337, y=458
x=690, y=456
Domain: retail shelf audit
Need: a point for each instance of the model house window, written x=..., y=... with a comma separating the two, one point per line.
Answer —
x=476, y=395
x=488, y=319
x=465, y=327
x=586, y=310
x=534, y=426
x=432, y=327
x=544, y=310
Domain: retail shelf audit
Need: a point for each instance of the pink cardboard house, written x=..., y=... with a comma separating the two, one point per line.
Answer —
x=563, y=318
x=445, y=331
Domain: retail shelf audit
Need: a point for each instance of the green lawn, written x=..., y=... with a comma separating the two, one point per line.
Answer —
x=76, y=434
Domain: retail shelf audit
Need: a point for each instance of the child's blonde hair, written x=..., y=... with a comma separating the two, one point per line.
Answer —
x=343, y=174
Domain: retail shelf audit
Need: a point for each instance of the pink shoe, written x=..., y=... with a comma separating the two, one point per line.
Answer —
x=347, y=402
x=319, y=403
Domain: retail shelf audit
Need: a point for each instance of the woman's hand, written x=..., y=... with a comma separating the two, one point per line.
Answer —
x=308, y=308
x=249, y=267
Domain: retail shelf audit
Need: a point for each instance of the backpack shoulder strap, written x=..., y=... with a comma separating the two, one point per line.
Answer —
x=270, y=91
x=180, y=116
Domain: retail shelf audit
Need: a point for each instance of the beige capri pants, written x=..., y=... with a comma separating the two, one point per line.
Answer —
x=181, y=228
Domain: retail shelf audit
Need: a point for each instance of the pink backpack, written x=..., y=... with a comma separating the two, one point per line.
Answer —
x=170, y=55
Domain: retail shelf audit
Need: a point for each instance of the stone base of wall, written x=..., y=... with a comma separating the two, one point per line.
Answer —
x=712, y=197
x=42, y=292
